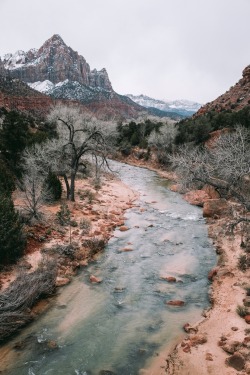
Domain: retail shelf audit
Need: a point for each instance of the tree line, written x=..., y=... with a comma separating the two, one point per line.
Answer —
x=37, y=157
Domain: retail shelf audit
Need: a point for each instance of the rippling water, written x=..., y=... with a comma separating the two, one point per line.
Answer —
x=120, y=324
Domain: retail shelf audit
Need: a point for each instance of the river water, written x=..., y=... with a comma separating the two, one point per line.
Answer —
x=118, y=326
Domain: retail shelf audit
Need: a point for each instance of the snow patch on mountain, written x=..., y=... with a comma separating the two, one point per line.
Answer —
x=184, y=107
x=71, y=90
x=43, y=87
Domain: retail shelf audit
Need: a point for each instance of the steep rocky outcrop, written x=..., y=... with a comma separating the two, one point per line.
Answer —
x=236, y=98
x=62, y=74
x=56, y=62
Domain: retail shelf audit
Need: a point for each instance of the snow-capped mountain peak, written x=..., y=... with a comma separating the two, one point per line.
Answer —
x=183, y=107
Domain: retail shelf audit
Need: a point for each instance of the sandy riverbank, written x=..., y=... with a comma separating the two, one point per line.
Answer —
x=220, y=342
x=103, y=208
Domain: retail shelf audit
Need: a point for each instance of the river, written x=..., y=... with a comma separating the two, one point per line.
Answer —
x=119, y=326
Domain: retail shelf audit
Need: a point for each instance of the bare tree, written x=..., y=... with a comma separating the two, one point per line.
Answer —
x=225, y=165
x=80, y=137
x=163, y=142
x=33, y=180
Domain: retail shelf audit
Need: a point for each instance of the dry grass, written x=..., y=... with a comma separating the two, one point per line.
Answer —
x=22, y=294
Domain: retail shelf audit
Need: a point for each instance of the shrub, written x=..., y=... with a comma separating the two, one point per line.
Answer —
x=73, y=223
x=85, y=225
x=12, y=239
x=88, y=194
x=7, y=184
x=64, y=250
x=241, y=311
x=63, y=215
x=22, y=294
x=53, y=185
x=243, y=262
x=95, y=245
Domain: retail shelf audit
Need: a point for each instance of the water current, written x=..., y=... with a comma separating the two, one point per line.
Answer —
x=118, y=326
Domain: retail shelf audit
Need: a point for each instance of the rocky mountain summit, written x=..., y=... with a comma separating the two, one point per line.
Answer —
x=235, y=99
x=61, y=73
x=56, y=62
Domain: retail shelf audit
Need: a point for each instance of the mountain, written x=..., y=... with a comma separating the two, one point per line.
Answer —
x=228, y=110
x=61, y=73
x=234, y=100
x=56, y=62
x=181, y=108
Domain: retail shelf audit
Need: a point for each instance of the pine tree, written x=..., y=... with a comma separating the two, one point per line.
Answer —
x=53, y=186
x=12, y=239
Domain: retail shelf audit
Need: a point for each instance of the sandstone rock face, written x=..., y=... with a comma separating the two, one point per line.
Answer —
x=64, y=75
x=196, y=197
x=236, y=98
x=55, y=62
x=215, y=208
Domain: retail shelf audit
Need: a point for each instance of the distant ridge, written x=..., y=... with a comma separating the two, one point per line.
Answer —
x=179, y=108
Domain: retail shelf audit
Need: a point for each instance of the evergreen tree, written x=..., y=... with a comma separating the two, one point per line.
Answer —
x=7, y=184
x=12, y=239
x=53, y=186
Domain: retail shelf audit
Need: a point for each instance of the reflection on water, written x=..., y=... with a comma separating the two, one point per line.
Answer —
x=117, y=325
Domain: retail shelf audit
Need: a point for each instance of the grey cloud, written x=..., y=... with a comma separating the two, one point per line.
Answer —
x=168, y=49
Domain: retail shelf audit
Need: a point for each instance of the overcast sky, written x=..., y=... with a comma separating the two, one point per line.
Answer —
x=166, y=49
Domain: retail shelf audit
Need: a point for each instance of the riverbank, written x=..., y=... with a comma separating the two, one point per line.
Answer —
x=201, y=349
x=220, y=341
x=93, y=217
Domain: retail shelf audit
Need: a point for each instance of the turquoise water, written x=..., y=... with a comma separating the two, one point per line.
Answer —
x=122, y=323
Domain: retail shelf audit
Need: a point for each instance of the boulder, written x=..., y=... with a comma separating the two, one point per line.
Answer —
x=198, y=339
x=216, y=208
x=61, y=281
x=212, y=273
x=52, y=345
x=209, y=357
x=123, y=228
x=231, y=346
x=247, y=319
x=176, y=188
x=170, y=279
x=211, y=192
x=94, y=279
x=175, y=303
x=236, y=361
x=126, y=249
x=196, y=197
x=189, y=329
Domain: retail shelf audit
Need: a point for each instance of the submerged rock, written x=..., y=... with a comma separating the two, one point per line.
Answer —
x=175, y=303
x=94, y=279
x=123, y=228
x=170, y=279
